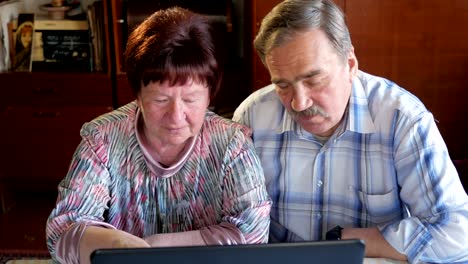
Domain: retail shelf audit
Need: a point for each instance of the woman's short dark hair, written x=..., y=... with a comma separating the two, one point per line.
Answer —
x=172, y=45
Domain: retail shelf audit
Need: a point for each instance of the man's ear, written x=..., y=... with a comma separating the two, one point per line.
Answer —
x=352, y=64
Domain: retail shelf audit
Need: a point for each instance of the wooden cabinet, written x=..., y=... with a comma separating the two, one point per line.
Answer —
x=118, y=27
x=41, y=116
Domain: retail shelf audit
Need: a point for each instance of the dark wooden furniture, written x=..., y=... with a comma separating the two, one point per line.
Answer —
x=41, y=115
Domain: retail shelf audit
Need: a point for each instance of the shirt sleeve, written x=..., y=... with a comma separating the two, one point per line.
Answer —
x=245, y=200
x=436, y=229
x=87, y=177
x=68, y=245
x=222, y=234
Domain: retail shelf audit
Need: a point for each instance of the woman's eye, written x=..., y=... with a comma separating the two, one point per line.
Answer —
x=160, y=101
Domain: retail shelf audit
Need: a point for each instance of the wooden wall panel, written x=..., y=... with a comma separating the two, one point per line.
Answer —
x=423, y=46
x=258, y=10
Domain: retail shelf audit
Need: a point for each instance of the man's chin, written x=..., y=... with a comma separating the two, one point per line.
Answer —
x=316, y=128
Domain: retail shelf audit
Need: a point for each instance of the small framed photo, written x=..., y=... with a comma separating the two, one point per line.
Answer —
x=24, y=37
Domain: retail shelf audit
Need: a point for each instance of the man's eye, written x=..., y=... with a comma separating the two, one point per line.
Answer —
x=160, y=101
x=282, y=85
x=311, y=83
x=189, y=100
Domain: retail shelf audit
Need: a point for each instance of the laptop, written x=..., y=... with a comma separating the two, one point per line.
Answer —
x=332, y=252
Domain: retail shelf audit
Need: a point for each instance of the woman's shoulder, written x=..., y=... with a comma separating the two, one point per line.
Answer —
x=215, y=124
x=224, y=136
x=121, y=119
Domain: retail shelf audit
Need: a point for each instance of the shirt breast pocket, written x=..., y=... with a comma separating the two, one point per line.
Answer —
x=381, y=207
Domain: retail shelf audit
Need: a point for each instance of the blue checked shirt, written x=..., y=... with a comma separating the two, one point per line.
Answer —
x=385, y=166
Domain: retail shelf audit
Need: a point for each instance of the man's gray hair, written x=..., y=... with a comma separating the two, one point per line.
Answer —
x=294, y=16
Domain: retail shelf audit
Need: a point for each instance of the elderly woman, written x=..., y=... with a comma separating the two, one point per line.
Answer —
x=162, y=170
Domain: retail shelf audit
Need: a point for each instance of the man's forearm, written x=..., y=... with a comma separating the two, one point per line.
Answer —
x=376, y=245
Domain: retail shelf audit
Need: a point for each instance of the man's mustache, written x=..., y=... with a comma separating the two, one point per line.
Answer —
x=311, y=111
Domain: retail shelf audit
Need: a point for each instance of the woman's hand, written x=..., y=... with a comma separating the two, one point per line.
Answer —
x=96, y=237
x=123, y=239
x=187, y=238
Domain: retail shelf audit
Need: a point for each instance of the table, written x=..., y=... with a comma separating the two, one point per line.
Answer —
x=366, y=261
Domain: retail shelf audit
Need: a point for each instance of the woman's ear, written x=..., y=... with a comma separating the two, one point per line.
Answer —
x=138, y=101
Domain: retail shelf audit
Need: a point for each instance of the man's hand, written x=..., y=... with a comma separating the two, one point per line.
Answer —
x=376, y=245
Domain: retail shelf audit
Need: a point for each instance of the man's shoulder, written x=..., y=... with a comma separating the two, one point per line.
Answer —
x=265, y=95
x=261, y=104
x=384, y=95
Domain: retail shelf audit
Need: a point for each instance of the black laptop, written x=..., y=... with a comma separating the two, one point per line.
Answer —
x=332, y=252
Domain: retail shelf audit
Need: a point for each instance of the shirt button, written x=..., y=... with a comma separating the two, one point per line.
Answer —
x=319, y=183
x=318, y=215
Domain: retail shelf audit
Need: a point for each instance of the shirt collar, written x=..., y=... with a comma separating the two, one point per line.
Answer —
x=287, y=123
x=359, y=117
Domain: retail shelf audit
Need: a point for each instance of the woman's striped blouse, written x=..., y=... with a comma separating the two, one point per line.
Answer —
x=220, y=186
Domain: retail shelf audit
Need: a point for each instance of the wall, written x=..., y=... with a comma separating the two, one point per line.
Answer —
x=423, y=46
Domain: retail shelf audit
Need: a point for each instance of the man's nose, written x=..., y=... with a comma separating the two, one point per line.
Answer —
x=300, y=100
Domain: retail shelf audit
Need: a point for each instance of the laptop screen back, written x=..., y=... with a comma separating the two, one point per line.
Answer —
x=332, y=252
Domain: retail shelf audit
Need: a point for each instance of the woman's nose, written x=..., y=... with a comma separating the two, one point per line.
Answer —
x=176, y=111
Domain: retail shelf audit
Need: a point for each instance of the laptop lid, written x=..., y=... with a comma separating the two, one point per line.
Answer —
x=332, y=252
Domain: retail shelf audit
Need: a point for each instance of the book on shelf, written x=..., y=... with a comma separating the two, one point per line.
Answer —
x=95, y=12
x=65, y=48
x=62, y=24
